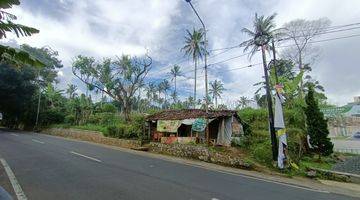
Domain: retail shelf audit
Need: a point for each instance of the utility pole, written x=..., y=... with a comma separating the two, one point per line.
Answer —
x=205, y=67
x=274, y=61
x=38, y=106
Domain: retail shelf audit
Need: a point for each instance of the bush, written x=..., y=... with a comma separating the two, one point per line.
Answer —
x=297, y=143
x=109, y=108
x=52, y=116
x=262, y=152
x=69, y=119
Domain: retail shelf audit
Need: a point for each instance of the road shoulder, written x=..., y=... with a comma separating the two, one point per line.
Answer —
x=5, y=182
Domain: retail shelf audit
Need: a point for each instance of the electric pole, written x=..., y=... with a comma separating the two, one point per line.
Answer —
x=205, y=68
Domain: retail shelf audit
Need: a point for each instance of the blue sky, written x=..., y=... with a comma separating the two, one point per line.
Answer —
x=113, y=27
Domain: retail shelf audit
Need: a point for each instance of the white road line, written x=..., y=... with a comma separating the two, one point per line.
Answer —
x=15, y=184
x=88, y=157
x=38, y=141
x=14, y=134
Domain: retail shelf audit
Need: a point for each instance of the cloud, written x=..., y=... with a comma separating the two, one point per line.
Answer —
x=108, y=28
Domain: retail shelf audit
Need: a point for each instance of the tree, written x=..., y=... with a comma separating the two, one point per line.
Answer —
x=195, y=48
x=301, y=32
x=317, y=126
x=216, y=89
x=17, y=89
x=119, y=78
x=8, y=54
x=165, y=87
x=50, y=60
x=243, y=102
x=264, y=31
x=175, y=72
x=71, y=91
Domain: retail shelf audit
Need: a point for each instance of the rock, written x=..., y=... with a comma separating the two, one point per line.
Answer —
x=311, y=173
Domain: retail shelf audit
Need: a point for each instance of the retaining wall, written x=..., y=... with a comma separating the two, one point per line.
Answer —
x=200, y=153
x=92, y=136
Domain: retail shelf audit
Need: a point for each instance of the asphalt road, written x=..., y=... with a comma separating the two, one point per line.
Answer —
x=54, y=168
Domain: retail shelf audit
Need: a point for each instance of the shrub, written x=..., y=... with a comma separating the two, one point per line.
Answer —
x=262, y=152
x=296, y=143
x=109, y=108
x=69, y=119
x=52, y=116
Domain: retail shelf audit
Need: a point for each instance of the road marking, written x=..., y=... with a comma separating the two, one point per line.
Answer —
x=38, y=141
x=14, y=134
x=88, y=157
x=15, y=184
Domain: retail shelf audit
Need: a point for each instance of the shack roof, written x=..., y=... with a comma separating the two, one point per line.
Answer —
x=191, y=114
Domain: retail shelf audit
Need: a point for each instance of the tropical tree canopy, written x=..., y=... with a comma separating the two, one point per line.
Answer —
x=10, y=55
x=264, y=30
x=194, y=44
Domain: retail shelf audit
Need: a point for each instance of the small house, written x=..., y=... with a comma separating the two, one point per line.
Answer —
x=189, y=125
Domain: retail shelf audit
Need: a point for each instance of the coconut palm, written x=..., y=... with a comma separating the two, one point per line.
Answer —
x=264, y=30
x=243, y=102
x=195, y=48
x=175, y=72
x=216, y=89
x=165, y=87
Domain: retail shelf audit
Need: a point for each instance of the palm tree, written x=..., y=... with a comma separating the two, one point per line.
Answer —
x=150, y=92
x=264, y=31
x=175, y=72
x=71, y=90
x=165, y=86
x=243, y=102
x=195, y=48
x=216, y=89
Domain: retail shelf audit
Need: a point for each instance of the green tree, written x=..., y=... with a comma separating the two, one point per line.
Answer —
x=50, y=60
x=120, y=79
x=71, y=91
x=216, y=89
x=8, y=54
x=165, y=87
x=243, y=102
x=195, y=48
x=17, y=89
x=175, y=72
x=317, y=126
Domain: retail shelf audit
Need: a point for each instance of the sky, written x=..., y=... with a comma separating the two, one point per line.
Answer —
x=109, y=28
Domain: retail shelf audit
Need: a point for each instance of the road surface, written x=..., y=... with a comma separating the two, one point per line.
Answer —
x=54, y=168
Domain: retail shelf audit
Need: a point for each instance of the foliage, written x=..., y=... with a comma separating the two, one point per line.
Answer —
x=195, y=48
x=317, y=126
x=216, y=89
x=264, y=29
x=17, y=89
x=130, y=74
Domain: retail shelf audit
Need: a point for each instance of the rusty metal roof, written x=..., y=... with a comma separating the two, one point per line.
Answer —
x=190, y=114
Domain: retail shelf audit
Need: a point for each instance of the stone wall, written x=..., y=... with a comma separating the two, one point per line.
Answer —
x=200, y=153
x=92, y=136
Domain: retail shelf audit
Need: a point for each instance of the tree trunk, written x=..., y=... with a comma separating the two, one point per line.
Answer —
x=216, y=105
x=301, y=81
x=127, y=110
x=175, y=84
x=195, y=83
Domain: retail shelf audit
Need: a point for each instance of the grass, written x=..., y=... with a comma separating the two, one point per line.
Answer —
x=88, y=127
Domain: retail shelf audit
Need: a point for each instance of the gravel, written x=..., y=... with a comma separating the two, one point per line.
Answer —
x=350, y=165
